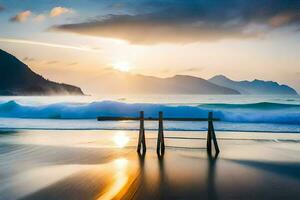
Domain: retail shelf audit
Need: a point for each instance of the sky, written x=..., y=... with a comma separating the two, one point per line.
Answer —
x=79, y=41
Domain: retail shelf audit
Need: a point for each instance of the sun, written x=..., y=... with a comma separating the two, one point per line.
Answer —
x=122, y=66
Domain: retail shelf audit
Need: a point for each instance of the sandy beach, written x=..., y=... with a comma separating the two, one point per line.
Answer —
x=104, y=165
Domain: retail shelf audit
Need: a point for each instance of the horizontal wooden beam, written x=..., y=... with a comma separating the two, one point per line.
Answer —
x=104, y=118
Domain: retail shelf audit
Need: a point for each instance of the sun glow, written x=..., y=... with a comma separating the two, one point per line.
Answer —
x=121, y=139
x=122, y=66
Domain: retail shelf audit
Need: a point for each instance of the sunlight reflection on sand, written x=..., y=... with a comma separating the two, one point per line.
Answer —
x=120, y=179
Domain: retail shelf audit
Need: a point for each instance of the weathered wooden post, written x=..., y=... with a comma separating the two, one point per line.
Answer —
x=141, y=141
x=208, y=144
x=211, y=135
x=160, y=149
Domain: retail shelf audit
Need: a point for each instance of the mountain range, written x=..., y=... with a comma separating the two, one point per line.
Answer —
x=126, y=83
x=116, y=82
x=16, y=78
x=258, y=87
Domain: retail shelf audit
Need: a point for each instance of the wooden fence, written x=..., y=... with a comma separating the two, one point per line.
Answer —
x=160, y=147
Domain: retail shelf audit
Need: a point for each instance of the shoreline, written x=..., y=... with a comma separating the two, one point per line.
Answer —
x=168, y=130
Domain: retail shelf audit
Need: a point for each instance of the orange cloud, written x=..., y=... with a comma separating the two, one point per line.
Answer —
x=22, y=16
x=39, y=18
x=282, y=19
x=57, y=11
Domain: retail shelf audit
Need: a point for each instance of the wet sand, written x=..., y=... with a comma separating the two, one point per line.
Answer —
x=104, y=165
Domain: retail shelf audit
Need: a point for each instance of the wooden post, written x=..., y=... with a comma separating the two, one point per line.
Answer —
x=211, y=135
x=214, y=138
x=141, y=141
x=160, y=149
x=209, y=130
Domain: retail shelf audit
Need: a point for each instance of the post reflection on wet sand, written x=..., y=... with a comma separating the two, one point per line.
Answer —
x=211, y=176
x=163, y=181
x=169, y=178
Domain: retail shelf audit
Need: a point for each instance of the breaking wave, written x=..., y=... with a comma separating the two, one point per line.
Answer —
x=242, y=113
x=257, y=106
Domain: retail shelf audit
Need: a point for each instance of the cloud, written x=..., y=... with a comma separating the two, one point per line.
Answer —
x=57, y=11
x=22, y=16
x=192, y=69
x=29, y=42
x=52, y=62
x=191, y=21
x=39, y=18
x=283, y=19
x=28, y=59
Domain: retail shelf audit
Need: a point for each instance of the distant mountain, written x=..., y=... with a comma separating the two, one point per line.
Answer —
x=16, y=78
x=126, y=83
x=253, y=87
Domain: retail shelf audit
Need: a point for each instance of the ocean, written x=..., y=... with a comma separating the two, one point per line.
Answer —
x=242, y=113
